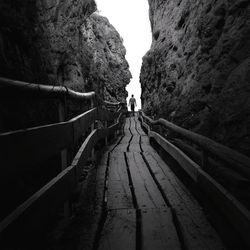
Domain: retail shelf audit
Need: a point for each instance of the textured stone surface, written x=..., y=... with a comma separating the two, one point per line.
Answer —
x=58, y=42
x=108, y=66
x=197, y=71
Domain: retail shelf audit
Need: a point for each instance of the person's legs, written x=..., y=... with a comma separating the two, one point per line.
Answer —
x=133, y=109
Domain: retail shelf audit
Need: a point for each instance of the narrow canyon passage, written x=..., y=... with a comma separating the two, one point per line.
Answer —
x=146, y=206
x=178, y=175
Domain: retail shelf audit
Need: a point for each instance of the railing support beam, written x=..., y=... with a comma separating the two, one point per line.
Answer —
x=64, y=153
x=92, y=128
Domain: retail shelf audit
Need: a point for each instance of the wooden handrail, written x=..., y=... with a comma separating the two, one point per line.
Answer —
x=230, y=156
x=48, y=91
x=37, y=209
x=38, y=144
x=51, y=138
x=233, y=210
x=112, y=103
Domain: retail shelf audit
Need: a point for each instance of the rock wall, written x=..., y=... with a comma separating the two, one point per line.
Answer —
x=58, y=42
x=197, y=71
x=105, y=53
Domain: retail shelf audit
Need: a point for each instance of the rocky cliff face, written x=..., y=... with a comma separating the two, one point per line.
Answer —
x=59, y=42
x=197, y=71
x=105, y=55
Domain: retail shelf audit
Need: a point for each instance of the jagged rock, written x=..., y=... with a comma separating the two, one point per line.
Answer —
x=107, y=57
x=198, y=68
x=59, y=42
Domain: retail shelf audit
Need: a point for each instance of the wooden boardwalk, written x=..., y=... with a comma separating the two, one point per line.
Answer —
x=139, y=202
x=146, y=205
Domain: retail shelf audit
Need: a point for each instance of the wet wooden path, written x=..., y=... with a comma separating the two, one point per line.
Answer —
x=146, y=205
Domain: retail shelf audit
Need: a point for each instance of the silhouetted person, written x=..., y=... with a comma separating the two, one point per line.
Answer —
x=132, y=104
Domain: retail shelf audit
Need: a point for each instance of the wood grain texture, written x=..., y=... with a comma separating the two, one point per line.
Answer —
x=146, y=191
x=119, y=230
x=118, y=193
x=134, y=145
x=133, y=128
x=158, y=230
x=145, y=144
x=196, y=230
x=186, y=163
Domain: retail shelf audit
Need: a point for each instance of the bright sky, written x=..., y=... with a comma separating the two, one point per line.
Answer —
x=131, y=20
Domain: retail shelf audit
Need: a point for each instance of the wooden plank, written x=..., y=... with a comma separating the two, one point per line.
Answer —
x=138, y=126
x=118, y=193
x=125, y=140
x=101, y=183
x=122, y=146
x=158, y=230
x=145, y=144
x=127, y=127
x=146, y=191
x=101, y=186
x=186, y=163
x=134, y=145
x=117, y=167
x=234, y=211
x=196, y=231
x=119, y=230
x=133, y=126
x=115, y=142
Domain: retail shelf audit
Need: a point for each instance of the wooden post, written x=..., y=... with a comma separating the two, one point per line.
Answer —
x=92, y=128
x=64, y=152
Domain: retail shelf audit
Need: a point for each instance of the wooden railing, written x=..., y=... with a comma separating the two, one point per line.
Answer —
x=25, y=149
x=236, y=213
x=45, y=91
